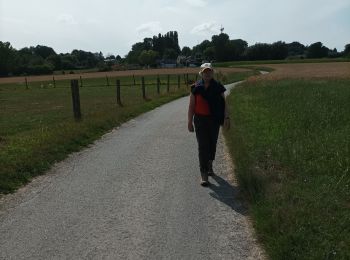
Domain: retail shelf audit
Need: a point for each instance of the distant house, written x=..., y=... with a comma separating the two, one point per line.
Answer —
x=188, y=61
x=167, y=63
x=109, y=60
x=181, y=60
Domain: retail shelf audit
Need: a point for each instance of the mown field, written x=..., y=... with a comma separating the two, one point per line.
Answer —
x=290, y=143
x=37, y=127
x=285, y=61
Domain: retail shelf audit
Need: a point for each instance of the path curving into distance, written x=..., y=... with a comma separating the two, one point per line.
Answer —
x=133, y=194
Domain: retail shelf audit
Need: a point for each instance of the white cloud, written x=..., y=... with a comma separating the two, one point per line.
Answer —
x=172, y=9
x=11, y=20
x=325, y=11
x=195, y=20
x=196, y=3
x=206, y=28
x=93, y=21
x=149, y=28
x=66, y=19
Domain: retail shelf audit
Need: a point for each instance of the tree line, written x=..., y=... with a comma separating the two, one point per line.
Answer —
x=44, y=60
x=154, y=51
x=221, y=48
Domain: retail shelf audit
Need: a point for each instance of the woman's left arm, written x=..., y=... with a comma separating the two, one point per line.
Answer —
x=227, y=117
x=226, y=109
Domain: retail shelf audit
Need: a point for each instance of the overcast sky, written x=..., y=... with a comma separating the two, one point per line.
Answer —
x=113, y=26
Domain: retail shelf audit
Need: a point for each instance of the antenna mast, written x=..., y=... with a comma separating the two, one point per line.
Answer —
x=221, y=29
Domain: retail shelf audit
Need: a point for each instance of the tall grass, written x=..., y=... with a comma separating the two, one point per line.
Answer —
x=291, y=146
x=257, y=62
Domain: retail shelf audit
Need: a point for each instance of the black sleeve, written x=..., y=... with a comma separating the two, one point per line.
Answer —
x=222, y=89
x=193, y=89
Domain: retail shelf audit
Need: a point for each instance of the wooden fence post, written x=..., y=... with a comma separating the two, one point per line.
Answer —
x=133, y=76
x=118, y=93
x=107, y=81
x=81, y=81
x=178, y=81
x=76, y=99
x=187, y=79
x=26, y=83
x=168, y=84
x=158, y=84
x=54, y=82
x=143, y=87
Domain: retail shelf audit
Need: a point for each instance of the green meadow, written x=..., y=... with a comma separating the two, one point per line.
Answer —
x=37, y=127
x=290, y=140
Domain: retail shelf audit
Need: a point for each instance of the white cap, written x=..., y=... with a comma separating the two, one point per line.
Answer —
x=205, y=66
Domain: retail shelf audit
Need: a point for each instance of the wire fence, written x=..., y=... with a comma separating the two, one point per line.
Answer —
x=150, y=80
x=76, y=84
x=55, y=98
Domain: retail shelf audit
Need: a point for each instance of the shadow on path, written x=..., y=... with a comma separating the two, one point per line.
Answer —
x=227, y=194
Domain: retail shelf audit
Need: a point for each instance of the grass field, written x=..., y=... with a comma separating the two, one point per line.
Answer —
x=289, y=139
x=37, y=126
x=290, y=143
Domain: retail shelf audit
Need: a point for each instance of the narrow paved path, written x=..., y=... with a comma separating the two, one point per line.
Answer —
x=133, y=194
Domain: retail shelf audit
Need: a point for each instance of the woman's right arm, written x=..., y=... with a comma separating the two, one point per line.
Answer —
x=191, y=113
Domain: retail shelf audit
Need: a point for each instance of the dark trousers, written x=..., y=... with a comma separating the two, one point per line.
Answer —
x=207, y=132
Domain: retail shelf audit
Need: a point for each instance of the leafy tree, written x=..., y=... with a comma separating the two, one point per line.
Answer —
x=167, y=47
x=55, y=61
x=199, y=49
x=170, y=54
x=118, y=59
x=40, y=69
x=230, y=51
x=317, y=50
x=44, y=51
x=221, y=48
x=264, y=51
x=148, y=57
x=7, y=54
x=239, y=48
x=83, y=59
x=147, y=44
x=334, y=53
x=259, y=51
x=102, y=66
x=209, y=53
x=279, y=50
x=136, y=49
x=43, y=60
x=68, y=61
x=167, y=41
x=186, y=51
x=347, y=50
x=132, y=57
x=221, y=45
x=295, y=48
x=110, y=57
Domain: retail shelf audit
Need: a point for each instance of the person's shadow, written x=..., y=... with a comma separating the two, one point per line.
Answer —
x=227, y=194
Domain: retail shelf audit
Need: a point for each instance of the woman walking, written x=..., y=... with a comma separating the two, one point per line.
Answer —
x=208, y=111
